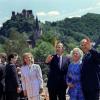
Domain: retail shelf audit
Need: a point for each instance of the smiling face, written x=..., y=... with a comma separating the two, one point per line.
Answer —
x=59, y=48
x=27, y=58
x=76, y=55
x=85, y=45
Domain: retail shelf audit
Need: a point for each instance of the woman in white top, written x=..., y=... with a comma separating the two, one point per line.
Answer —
x=31, y=75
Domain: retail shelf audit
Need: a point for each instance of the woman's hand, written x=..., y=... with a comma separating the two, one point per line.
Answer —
x=70, y=85
x=25, y=93
x=18, y=89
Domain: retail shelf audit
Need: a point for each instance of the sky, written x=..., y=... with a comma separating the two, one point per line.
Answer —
x=49, y=10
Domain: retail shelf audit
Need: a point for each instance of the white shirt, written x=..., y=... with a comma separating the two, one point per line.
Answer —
x=60, y=61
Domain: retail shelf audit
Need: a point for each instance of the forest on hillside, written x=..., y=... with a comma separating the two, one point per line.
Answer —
x=24, y=33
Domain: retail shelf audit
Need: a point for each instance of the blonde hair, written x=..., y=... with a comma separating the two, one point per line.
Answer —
x=79, y=51
x=27, y=54
x=3, y=55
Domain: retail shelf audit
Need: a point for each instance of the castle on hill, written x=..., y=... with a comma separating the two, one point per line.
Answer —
x=24, y=22
x=24, y=13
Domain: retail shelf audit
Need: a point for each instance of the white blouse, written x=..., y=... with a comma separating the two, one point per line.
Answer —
x=32, y=79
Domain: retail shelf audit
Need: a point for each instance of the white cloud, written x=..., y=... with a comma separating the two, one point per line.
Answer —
x=53, y=13
x=80, y=12
x=98, y=3
x=0, y=25
x=90, y=9
x=6, y=18
x=95, y=8
x=74, y=16
x=41, y=14
x=50, y=13
x=86, y=9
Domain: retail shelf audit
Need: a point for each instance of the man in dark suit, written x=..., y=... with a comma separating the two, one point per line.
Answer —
x=11, y=78
x=57, y=74
x=90, y=77
x=3, y=63
x=1, y=85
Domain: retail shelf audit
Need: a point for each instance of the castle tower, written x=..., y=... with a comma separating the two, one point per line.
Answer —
x=29, y=13
x=13, y=15
x=24, y=13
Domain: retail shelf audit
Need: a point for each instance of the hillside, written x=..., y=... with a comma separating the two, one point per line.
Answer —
x=70, y=30
x=67, y=30
x=25, y=33
x=24, y=22
x=74, y=29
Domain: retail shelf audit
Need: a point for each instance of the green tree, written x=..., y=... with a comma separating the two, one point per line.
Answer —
x=1, y=48
x=42, y=50
x=16, y=43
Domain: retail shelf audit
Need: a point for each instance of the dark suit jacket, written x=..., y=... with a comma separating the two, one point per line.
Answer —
x=11, y=78
x=2, y=75
x=57, y=76
x=90, y=71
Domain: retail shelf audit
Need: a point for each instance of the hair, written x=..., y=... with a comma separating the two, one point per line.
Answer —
x=12, y=55
x=60, y=43
x=3, y=55
x=79, y=51
x=88, y=40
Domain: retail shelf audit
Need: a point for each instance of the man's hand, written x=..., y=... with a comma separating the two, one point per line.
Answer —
x=48, y=59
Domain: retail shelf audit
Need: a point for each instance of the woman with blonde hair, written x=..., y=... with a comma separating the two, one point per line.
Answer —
x=31, y=76
x=73, y=76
